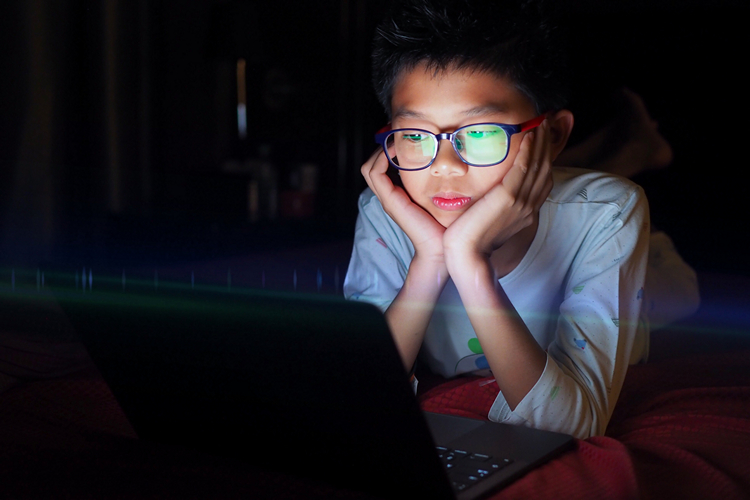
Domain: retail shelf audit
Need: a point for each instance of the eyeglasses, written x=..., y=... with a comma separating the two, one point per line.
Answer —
x=478, y=145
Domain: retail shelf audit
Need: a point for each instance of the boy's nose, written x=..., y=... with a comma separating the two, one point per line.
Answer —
x=447, y=161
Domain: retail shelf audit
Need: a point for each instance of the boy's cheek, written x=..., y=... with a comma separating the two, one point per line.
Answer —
x=413, y=184
x=493, y=178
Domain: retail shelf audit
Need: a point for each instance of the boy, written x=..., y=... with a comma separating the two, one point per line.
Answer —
x=487, y=259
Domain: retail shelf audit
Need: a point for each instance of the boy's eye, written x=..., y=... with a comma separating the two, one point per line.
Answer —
x=415, y=137
x=481, y=134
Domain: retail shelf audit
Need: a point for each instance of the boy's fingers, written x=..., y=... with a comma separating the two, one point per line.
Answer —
x=536, y=161
x=532, y=165
x=514, y=178
x=370, y=163
x=395, y=201
x=543, y=181
x=374, y=169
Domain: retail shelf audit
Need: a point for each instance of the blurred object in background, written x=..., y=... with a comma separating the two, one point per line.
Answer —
x=298, y=202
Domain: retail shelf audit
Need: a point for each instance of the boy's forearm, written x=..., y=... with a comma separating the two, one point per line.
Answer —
x=411, y=310
x=516, y=359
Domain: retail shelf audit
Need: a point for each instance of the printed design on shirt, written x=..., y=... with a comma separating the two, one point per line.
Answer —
x=578, y=289
x=472, y=363
x=618, y=259
x=475, y=346
x=380, y=240
x=583, y=193
x=554, y=392
x=482, y=363
x=639, y=296
x=580, y=343
x=616, y=321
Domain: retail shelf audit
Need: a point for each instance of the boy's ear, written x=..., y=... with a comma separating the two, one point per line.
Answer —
x=560, y=127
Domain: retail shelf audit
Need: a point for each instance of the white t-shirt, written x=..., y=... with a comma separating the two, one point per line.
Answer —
x=578, y=289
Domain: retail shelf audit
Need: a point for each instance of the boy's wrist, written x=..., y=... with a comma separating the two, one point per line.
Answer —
x=461, y=262
x=429, y=260
x=430, y=270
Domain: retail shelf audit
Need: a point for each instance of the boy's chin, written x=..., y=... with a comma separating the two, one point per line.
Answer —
x=446, y=220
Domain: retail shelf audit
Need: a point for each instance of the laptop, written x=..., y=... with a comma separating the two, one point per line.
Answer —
x=318, y=376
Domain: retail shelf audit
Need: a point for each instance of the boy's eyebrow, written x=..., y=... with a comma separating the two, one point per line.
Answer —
x=407, y=113
x=484, y=109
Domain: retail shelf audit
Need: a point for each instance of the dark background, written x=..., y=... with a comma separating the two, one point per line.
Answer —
x=117, y=116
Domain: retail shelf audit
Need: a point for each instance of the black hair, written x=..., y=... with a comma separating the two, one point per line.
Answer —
x=516, y=39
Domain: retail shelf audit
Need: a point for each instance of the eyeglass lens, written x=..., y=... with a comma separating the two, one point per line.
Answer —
x=480, y=145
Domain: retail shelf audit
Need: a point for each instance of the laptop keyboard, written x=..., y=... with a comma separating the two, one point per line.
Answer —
x=466, y=469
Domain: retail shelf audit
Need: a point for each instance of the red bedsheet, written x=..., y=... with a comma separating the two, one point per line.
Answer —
x=681, y=430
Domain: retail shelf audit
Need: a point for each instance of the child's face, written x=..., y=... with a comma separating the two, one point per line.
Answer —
x=442, y=103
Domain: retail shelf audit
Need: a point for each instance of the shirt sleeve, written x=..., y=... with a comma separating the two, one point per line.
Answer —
x=380, y=256
x=600, y=329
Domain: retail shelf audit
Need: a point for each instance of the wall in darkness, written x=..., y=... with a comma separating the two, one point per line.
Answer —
x=292, y=56
x=681, y=57
x=684, y=59
x=169, y=103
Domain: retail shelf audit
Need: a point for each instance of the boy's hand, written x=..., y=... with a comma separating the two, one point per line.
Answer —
x=508, y=207
x=422, y=229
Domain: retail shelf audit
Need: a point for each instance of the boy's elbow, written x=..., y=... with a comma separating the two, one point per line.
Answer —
x=583, y=421
x=592, y=423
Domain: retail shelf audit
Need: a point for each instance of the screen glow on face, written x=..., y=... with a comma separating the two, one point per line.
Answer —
x=413, y=148
x=481, y=144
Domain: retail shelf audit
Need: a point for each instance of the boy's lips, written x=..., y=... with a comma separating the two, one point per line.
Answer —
x=450, y=201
